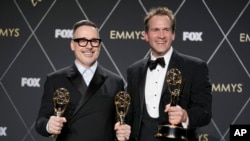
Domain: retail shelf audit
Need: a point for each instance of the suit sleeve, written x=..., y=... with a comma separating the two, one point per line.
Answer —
x=46, y=109
x=200, y=111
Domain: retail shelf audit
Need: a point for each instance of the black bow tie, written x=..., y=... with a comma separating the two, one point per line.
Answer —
x=153, y=63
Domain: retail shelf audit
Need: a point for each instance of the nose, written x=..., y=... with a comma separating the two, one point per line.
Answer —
x=89, y=46
x=161, y=34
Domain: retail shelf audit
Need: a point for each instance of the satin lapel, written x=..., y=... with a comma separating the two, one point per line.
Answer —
x=142, y=78
x=174, y=60
x=173, y=63
x=96, y=82
x=79, y=83
x=177, y=63
x=76, y=79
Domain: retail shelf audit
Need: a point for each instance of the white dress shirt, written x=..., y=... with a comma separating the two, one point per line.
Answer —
x=87, y=73
x=154, y=84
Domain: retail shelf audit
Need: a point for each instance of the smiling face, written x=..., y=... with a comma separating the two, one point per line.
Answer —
x=86, y=56
x=159, y=35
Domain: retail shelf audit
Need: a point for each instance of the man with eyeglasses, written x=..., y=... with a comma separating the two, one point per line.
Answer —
x=90, y=114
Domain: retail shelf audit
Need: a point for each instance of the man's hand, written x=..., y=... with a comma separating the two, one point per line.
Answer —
x=122, y=131
x=55, y=124
x=176, y=114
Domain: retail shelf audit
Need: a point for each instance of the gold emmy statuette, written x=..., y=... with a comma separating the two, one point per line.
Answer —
x=61, y=100
x=122, y=102
x=174, y=82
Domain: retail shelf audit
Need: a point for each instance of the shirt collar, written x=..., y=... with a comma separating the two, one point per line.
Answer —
x=166, y=56
x=82, y=69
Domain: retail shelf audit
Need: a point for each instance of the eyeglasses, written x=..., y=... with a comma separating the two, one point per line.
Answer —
x=82, y=42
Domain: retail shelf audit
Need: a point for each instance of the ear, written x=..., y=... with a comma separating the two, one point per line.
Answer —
x=72, y=45
x=173, y=37
x=145, y=36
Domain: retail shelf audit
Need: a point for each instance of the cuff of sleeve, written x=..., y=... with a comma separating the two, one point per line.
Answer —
x=47, y=127
x=185, y=124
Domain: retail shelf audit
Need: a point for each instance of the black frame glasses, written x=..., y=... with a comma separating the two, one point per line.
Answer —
x=83, y=42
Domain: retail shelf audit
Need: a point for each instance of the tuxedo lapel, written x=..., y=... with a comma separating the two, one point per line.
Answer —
x=142, y=78
x=174, y=60
x=76, y=78
x=96, y=82
x=173, y=63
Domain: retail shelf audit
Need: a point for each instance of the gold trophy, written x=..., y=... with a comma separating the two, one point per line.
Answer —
x=122, y=102
x=174, y=82
x=61, y=100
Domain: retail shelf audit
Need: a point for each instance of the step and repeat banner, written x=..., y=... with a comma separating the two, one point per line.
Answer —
x=35, y=40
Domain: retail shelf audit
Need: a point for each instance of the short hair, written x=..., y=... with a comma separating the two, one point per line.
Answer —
x=161, y=11
x=82, y=23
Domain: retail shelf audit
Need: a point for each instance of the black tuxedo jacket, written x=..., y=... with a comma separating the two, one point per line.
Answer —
x=195, y=96
x=90, y=113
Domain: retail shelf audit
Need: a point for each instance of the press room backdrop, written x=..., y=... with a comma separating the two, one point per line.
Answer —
x=35, y=37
